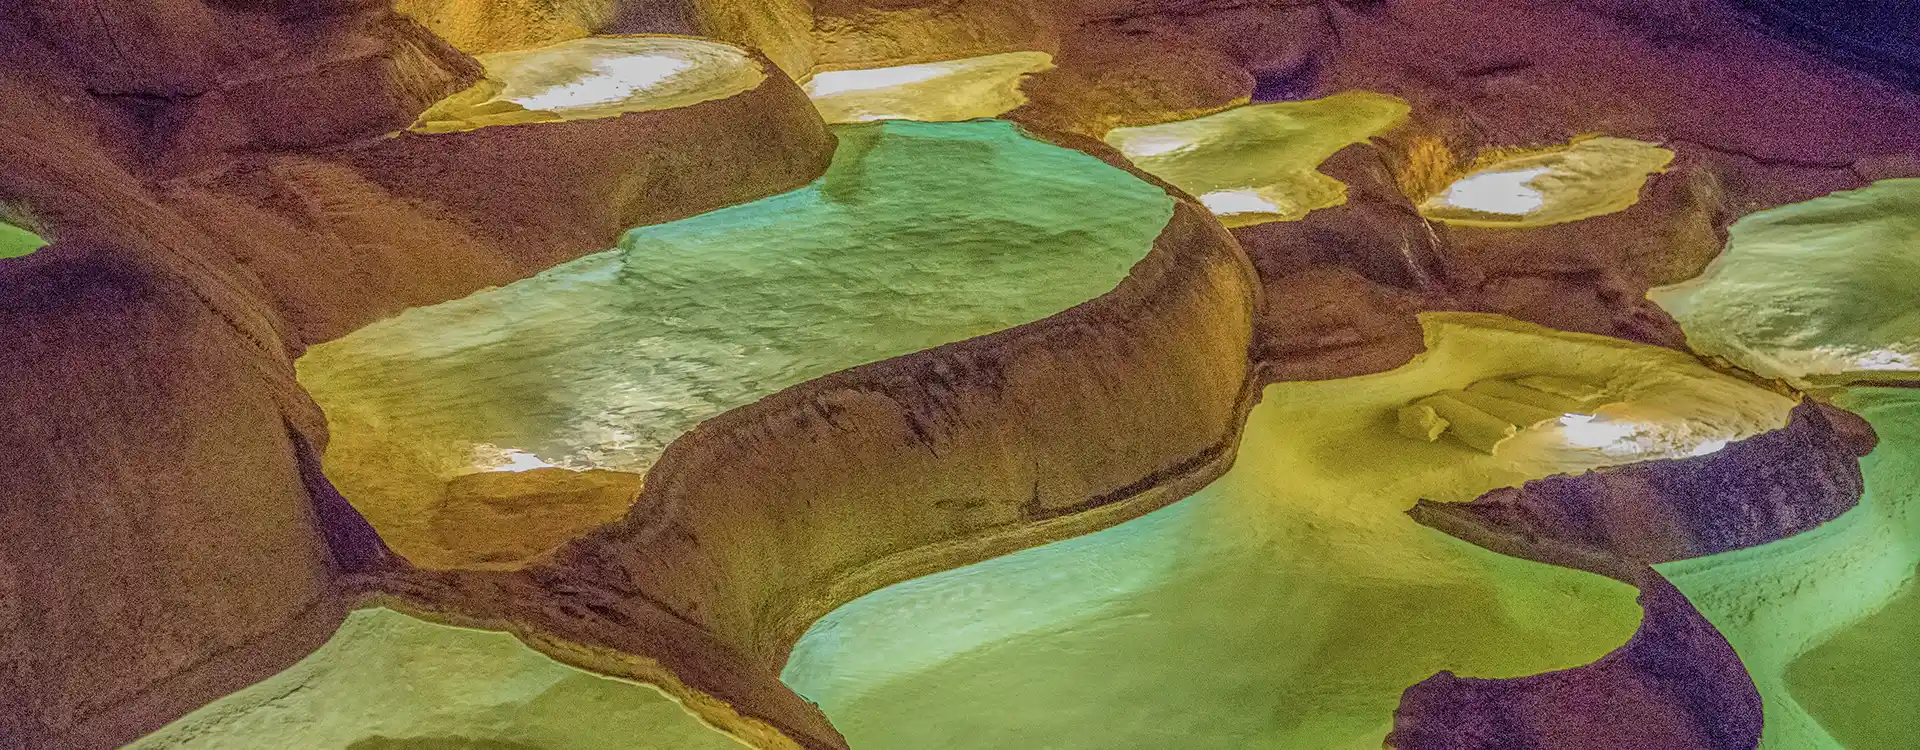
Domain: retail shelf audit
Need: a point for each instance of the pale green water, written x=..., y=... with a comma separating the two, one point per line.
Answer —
x=1864, y=685
x=919, y=235
x=1817, y=594
x=386, y=681
x=16, y=242
x=1826, y=290
x=1287, y=605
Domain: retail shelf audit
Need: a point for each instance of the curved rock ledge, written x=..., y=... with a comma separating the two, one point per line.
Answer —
x=1781, y=602
x=416, y=219
x=1675, y=685
x=1616, y=520
x=1289, y=601
x=918, y=235
x=761, y=520
x=177, y=541
x=183, y=550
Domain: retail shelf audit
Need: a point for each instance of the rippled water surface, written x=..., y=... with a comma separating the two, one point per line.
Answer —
x=919, y=235
x=1288, y=604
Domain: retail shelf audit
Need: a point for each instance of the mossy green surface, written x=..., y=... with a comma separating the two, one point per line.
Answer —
x=386, y=681
x=1288, y=604
x=1822, y=619
x=16, y=242
x=1825, y=291
x=918, y=235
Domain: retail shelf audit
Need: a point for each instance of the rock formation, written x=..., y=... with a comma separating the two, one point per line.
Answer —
x=1221, y=250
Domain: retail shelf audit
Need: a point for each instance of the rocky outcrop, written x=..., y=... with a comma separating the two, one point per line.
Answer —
x=185, y=543
x=221, y=192
x=167, y=551
x=1676, y=684
x=191, y=84
x=1106, y=76
x=763, y=519
x=1748, y=493
x=1376, y=233
x=416, y=219
x=1344, y=283
x=1593, y=275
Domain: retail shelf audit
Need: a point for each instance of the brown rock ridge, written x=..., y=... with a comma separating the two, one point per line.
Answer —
x=166, y=552
x=245, y=264
x=1772, y=123
x=1344, y=283
x=763, y=519
x=179, y=543
x=1751, y=492
x=1592, y=275
x=1677, y=685
x=187, y=83
x=416, y=219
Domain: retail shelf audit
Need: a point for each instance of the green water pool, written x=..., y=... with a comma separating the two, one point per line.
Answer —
x=1822, y=619
x=386, y=681
x=918, y=235
x=1288, y=604
x=1821, y=291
